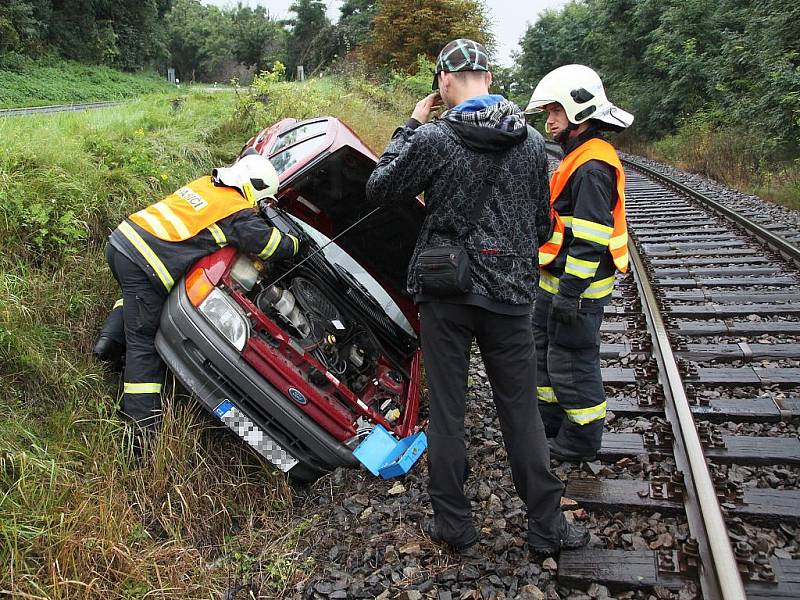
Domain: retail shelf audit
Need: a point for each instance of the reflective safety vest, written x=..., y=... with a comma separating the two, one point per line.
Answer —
x=186, y=212
x=593, y=149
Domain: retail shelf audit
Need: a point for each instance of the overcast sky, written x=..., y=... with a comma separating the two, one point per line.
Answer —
x=510, y=17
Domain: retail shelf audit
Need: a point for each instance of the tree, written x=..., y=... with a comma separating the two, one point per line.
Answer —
x=21, y=26
x=725, y=64
x=402, y=30
x=199, y=38
x=256, y=40
x=355, y=24
x=311, y=42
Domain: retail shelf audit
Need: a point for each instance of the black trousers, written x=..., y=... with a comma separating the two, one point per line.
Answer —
x=142, y=304
x=572, y=401
x=508, y=352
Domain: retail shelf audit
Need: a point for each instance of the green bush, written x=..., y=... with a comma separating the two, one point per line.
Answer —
x=419, y=83
x=27, y=82
x=202, y=510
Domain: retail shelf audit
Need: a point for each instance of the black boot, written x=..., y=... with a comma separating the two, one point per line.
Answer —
x=561, y=453
x=110, y=344
x=571, y=537
x=461, y=545
x=108, y=349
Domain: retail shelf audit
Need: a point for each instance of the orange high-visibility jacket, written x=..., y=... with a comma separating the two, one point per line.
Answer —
x=593, y=149
x=186, y=212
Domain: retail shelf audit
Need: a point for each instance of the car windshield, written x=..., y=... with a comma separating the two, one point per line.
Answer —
x=337, y=256
x=289, y=149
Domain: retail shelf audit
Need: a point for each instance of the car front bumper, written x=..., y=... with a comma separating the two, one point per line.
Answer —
x=216, y=373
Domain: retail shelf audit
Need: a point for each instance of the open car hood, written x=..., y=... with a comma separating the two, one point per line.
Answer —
x=324, y=168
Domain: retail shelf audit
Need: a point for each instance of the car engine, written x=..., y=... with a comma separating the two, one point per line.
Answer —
x=346, y=348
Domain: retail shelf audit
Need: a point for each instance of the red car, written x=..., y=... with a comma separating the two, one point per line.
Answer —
x=302, y=358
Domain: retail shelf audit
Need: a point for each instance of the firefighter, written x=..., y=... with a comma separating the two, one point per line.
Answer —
x=150, y=251
x=577, y=265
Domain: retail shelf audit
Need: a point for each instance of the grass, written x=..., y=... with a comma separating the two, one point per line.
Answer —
x=734, y=158
x=202, y=516
x=25, y=82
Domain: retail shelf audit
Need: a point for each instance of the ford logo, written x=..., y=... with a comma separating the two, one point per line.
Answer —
x=297, y=396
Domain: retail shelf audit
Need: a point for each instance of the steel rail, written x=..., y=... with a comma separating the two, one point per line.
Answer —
x=33, y=110
x=719, y=572
x=776, y=242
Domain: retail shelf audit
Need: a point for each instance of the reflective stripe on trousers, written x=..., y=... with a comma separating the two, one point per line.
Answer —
x=569, y=384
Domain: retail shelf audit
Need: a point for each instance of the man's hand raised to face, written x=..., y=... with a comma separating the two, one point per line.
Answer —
x=430, y=103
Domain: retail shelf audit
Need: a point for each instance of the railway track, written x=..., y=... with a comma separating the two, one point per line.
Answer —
x=16, y=112
x=696, y=487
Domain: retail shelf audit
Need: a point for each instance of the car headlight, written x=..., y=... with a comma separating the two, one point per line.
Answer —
x=227, y=317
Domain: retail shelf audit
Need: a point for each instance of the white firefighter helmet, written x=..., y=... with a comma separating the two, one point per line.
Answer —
x=580, y=91
x=252, y=174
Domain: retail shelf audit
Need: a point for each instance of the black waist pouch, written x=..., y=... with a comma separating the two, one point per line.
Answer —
x=444, y=271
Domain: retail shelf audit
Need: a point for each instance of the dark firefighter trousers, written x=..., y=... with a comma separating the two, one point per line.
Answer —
x=506, y=345
x=142, y=303
x=570, y=385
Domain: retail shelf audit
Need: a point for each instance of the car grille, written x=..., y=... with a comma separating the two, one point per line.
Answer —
x=272, y=427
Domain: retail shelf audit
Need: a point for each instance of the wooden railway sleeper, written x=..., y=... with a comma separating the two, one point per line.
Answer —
x=685, y=560
x=659, y=437
x=667, y=487
x=650, y=399
x=753, y=567
x=710, y=437
x=647, y=371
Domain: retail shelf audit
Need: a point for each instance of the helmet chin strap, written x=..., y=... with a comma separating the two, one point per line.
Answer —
x=563, y=137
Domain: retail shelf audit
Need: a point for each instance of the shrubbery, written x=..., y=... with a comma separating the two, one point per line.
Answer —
x=27, y=82
x=202, y=515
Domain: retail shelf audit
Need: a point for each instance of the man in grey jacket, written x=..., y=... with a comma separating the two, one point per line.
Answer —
x=481, y=137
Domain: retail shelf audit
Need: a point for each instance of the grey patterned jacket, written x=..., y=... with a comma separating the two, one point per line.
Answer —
x=449, y=159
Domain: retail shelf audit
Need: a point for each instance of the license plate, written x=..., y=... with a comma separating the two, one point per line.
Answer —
x=254, y=436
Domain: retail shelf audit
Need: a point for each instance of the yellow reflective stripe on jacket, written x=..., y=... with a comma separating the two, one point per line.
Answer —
x=567, y=221
x=117, y=304
x=173, y=219
x=584, y=416
x=618, y=241
x=272, y=244
x=155, y=225
x=138, y=242
x=584, y=269
x=599, y=289
x=219, y=235
x=295, y=244
x=548, y=282
x=546, y=394
x=142, y=388
x=594, y=232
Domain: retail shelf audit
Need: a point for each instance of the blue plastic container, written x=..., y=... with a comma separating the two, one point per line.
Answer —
x=407, y=452
x=383, y=455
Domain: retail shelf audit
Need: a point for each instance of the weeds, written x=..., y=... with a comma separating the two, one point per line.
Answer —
x=735, y=158
x=201, y=515
x=28, y=82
